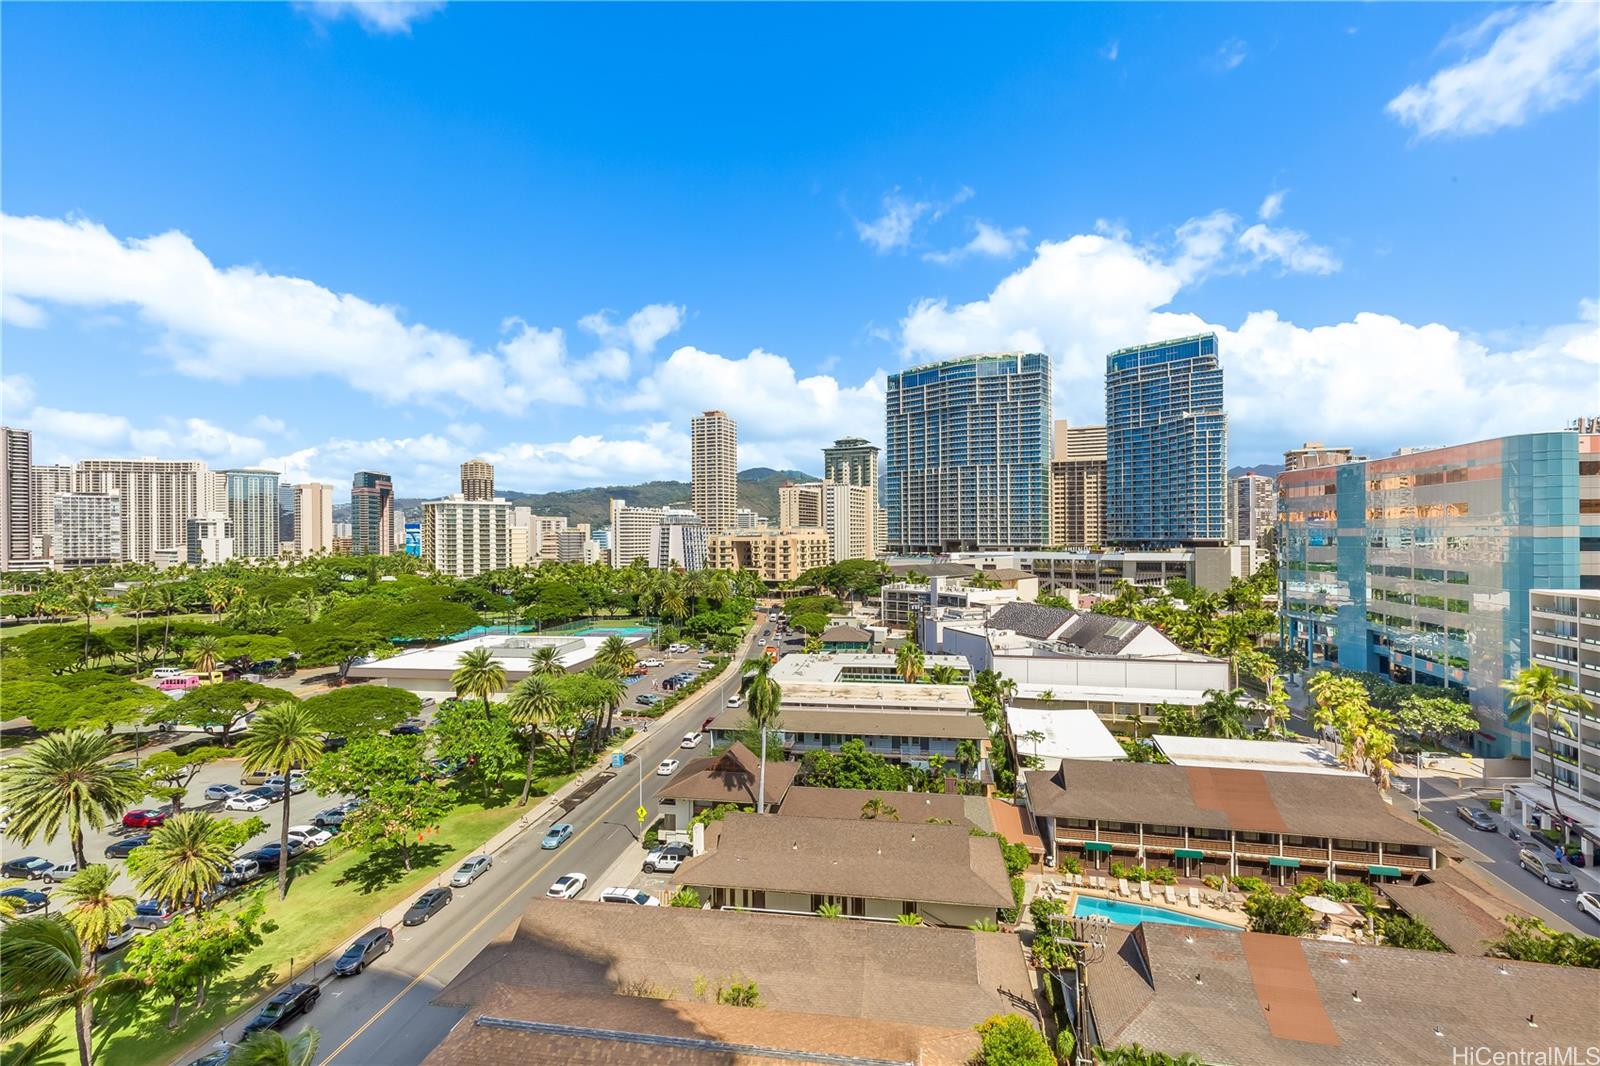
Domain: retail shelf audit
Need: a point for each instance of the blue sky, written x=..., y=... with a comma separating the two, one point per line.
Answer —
x=323, y=237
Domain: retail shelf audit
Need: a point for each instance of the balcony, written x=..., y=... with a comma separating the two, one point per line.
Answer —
x=1305, y=853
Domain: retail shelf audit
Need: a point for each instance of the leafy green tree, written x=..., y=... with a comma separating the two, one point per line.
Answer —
x=810, y=622
x=485, y=747
x=361, y=710
x=1401, y=931
x=533, y=704
x=1272, y=913
x=875, y=809
x=1134, y=1055
x=45, y=972
x=764, y=704
x=218, y=708
x=281, y=739
x=193, y=951
x=1223, y=714
x=184, y=858
x=478, y=673
x=170, y=773
x=66, y=779
x=1530, y=940
x=1536, y=697
x=685, y=897
x=852, y=766
x=909, y=662
x=268, y=1047
x=396, y=816
x=1434, y=717
x=968, y=755
x=367, y=763
x=1011, y=1040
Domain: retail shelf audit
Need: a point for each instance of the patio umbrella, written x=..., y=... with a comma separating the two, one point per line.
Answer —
x=1323, y=905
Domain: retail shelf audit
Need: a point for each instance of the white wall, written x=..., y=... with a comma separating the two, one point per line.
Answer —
x=1109, y=673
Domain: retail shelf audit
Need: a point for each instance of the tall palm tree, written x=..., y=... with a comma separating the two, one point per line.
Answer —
x=282, y=738
x=908, y=662
x=136, y=602
x=967, y=756
x=309, y=604
x=85, y=600
x=615, y=654
x=97, y=913
x=611, y=692
x=673, y=602
x=66, y=778
x=184, y=858
x=1537, y=694
x=1230, y=637
x=764, y=698
x=269, y=1047
x=1222, y=715
x=547, y=661
x=46, y=971
x=167, y=599
x=532, y=702
x=204, y=653
x=478, y=673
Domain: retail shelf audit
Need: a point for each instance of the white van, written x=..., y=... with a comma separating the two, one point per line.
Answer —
x=161, y=673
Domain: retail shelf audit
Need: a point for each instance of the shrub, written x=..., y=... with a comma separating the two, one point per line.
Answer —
x=1069, y=864
x=1250, y=885
x=1164, y=875
x=1066, y=1044
x=685, y=897
x=1211, y=881
x=739, y=994
x=830, y=910
x=982, y=925
x=1272, y=913
x=1019, y=888
x=1496, y=804
x=1041, y=909
x=1009, y=1040
x=1401, y=931
x=1016, y=856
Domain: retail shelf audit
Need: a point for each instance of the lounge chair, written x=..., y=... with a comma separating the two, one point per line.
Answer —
x=1171, y=895
x=1144, y=892
x=1122, y=887
x=1194, y=898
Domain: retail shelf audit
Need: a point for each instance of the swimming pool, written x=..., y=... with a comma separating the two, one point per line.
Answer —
x=607, y=631
x=1115, y=910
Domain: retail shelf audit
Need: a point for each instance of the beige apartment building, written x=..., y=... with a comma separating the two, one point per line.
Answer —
x=775, y=555
x=158, y=497
x=477, y=480
x=1078, y=486
x=313, y=519
x=1313, y=454
x=714, y=446
x=843, y=511
x=465, y=538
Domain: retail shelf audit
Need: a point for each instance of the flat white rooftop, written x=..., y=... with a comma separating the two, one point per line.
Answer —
x=513, y=653
x=1069, y=733
x=827, y=667
x=1296, y=756
x=1100, y=694
x=876, y=695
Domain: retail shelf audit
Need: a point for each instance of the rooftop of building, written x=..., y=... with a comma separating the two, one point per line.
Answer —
x=1065, y=733
x=869, y=989
x=846, y=803
x=932, y=568
x=939, y=725
x=1070, y=632
x=873, y=858
x=1302, y=756
x=1463, y=909
x=846, y=634
x=829, y=666
x=730, y=776
x=1294, y=803
x=513, y=652
x=1236, y=997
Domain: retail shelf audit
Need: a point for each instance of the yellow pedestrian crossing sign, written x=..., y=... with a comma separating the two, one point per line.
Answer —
x=643, y=814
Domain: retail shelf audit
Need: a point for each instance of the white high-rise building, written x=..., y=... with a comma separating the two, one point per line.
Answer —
x=680, y=541
x=46, y=482
x=86, y=529
x=210, y=540
x=714, y=445
x=465, y=538
x=843, y=510
x=1252, y=506
x=158, y=497
x=253, y=508
x=16, y=497
x=854, y=461
x=633, y=533
x=313, y=519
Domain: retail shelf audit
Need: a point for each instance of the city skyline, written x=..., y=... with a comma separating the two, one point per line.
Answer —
x=1315, y=285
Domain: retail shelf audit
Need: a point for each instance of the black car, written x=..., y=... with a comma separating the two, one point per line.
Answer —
x=409, y=728
x=270, y=793
x=123, y=848
x=27, y=868
x=427, y=905
x=331, y=743
x=284, y=1007
x=267, y=855
x=367, y=946
x=27, y=899
x=1477, y=818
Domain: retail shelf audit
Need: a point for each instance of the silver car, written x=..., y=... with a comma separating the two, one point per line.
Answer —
x=470, y=871
x=1547, y=870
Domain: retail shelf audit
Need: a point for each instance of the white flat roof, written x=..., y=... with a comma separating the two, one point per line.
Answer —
x=1069, y=733
x=1096, y=694
x=1297, y=756
x=825, y=667
x=513, y=652
x=877, y=695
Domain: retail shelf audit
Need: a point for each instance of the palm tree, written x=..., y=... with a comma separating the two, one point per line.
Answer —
x=908, y=919
x=184, y=858
x=136, y=601
x=1231, y=637
x=97, y=913
x=282, y=738
x=166, y=599
x=309, y=604
x=813, y=645
x=547, y=660
x=615, y=654
x=534, y=703
x=672, y=602
x=85, y=600
x=764, y=698
x=45, y=971
x=830, y=910
x=204, y=652
x=1221, y=715
x=876, y=808
x=66, y=777
x=944, y=674
x=908, y=662
x=967, y=756
x=1537, y=693
x=479, y=674
x=271, y=1048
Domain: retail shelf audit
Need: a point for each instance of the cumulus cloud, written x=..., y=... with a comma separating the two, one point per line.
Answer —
x=1542, y=58
x=1231, y=53
x=384, y=17
x=987, y=240
x=1272, y=206
x=641, y=331
x=1289, y=248
x=893, y=229
x=1090, y=294
x=67, y=436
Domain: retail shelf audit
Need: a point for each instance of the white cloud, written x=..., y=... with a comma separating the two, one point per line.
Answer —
x=1542, y=58
x=1109, y=52
x=986, y=240
x=19, y=312
x=642, y=330
x=1290, y=248
x=16, y=396
x=275, y=426
x=1231, y=53
x=1365, y=382
x=386, y=17
x=893, y=229
x=1272, y=206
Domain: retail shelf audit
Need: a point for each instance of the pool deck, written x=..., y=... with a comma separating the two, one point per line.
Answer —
x=1056, y=886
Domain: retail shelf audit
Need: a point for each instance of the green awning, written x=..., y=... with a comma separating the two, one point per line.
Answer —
x=1284, y=860
x=1188, y=853
x=1384, y=871
x=1096, y=845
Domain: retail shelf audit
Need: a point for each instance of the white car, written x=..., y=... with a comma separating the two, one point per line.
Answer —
x=244, y=801
x=667, y=768
x=309, y=835
x=734, y=701
x=567, y=886
x=62, y=871
x=704, y=664
x=652, y=663
x=222, y=791
x=1589, y=903
x=636, y=896
x=692, y=740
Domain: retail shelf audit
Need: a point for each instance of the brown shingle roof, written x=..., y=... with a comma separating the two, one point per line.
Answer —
x=867, y=858
x=1462, y=912
x=731, y=777
x=846, y=635
x=1144, y=991
x=846, y=803
x=1319, y=805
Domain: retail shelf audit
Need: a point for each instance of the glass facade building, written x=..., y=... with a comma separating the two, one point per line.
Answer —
x=1166, y=445
x=1419, y=566
x=253, y=510
x=371, y=513
x=968, y=456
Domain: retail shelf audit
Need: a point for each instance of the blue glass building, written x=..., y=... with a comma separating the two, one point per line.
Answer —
x=414, y=539
x=1166, y=445
x=967, y=462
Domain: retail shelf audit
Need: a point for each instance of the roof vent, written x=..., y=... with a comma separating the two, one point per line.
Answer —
x=1531, y=1023
x=1438, y=1031
x=1197, y=980
x=1355, y=997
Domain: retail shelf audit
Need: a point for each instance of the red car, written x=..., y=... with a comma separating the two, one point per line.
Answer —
x=147, y=819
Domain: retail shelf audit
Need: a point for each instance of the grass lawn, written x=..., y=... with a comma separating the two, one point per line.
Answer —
x=333, y=895
x=116, y=621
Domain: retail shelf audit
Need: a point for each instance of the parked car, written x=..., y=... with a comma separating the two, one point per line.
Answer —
x=309, y=835
x=372, y=944
x=652, y=663
x=668, y=767
x=268, y=854
x=556, y=836
x=1478, y=818
x=704, y=664
x=26, y=868
x=121, y=938
x=61, y=871
x=295, y=782
x=246, y=801
x=145, y=819
x=638, y=897
x=567, y=886
x=152, y=914
x=734, y=701
x=284, y=1007
x=1589, y=903
x=427, y=905
x=677, y=649
x=667, y=858
x=222, y=791
x=331, y=818
x=241, y=870
x=411, y=727
x=123, y=848
x=252, y=778
x=692, y=740
x=470, y=870
x=1545, y=869
x=29, y=900
x=647, y=699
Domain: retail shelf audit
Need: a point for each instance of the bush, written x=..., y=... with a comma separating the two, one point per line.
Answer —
x=1069, y=864
x=1066, y=1044
x=1041, y=909
x=1400, y=931
x=1211, y=881
x=1019, y=888
x=1496, y=804
x=685, y=897
x=1016, y=857
x=1009, y=1040
x=1272, y=913
x=1251, y=885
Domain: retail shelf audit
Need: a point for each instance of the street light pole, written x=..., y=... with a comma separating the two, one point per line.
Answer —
x=1419, y=782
